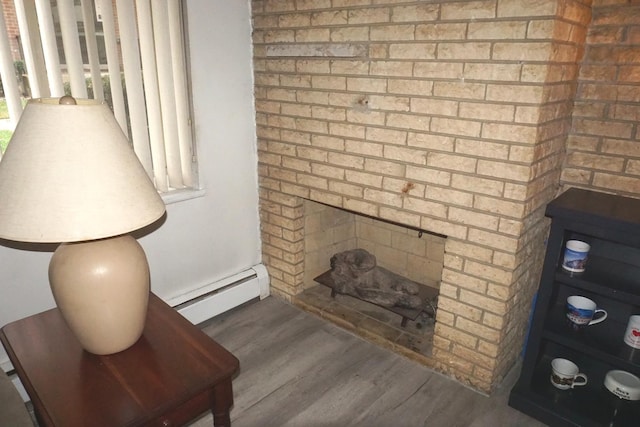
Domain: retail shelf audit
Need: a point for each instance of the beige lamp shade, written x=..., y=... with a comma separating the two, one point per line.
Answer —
x=69, y=175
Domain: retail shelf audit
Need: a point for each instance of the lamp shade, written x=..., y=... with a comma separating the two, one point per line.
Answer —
x=69, y=175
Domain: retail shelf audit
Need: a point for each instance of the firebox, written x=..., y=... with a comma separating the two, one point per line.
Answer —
x=413, y=255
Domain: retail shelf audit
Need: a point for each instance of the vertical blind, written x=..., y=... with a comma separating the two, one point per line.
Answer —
x=129, y=51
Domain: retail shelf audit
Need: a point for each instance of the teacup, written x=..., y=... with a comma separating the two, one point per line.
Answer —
x=582, y=311
x=565, y=374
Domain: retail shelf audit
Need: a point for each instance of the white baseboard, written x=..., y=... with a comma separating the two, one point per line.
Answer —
x=211, y=300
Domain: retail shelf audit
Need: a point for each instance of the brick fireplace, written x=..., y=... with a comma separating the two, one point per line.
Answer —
x=449, y=117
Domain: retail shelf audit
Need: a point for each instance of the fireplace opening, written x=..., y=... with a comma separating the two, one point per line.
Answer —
x=411, y=255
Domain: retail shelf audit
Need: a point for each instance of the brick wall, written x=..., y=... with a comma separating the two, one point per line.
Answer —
x=12, y=27
x=604, y=146
x=447, y=116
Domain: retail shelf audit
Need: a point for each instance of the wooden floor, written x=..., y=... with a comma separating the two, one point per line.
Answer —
x=298, y=370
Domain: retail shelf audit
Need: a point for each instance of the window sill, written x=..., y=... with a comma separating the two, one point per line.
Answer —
x=175, y=196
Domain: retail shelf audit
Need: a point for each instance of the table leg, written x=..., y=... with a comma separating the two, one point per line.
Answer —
x=222, y=401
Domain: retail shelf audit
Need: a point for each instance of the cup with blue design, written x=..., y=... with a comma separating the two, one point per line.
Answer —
x=582, y=312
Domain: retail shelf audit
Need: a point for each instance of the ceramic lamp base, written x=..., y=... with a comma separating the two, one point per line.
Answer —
x=102, y=289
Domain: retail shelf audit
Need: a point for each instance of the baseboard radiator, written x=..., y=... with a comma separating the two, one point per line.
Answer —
x=208, y=301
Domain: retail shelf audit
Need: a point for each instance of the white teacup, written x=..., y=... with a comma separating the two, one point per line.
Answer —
x=565, y=374
x=582, y=311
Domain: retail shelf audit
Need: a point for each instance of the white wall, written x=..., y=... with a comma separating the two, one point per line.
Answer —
x=206, y=238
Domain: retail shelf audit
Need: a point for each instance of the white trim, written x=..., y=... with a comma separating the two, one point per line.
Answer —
x=215, y=298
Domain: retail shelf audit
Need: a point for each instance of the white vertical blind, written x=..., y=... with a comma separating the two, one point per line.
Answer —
x=71, y=43
x=160, y=17
x=180, y=88
x=34, y=61
x=113, y=63
x=133, y=77
x=92, y=48
x=49, y=47
x=143, y=44
x=150, y=76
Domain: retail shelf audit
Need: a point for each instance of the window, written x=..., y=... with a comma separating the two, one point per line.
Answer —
x=129, y=53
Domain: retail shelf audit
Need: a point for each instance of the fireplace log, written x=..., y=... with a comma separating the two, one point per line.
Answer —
x=355, y=272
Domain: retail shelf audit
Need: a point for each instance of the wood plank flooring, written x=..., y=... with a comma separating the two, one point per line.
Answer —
x=298, y=370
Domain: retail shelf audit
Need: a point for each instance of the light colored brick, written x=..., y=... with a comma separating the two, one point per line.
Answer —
x=479, y=148
x=441, y=31
x=428, y=175
x=603, y=128
x=401, y=216
x=464, y=51
x=279, y=36
x=349, y=34
x=384, y=167
x=445, y=228
x=363, y=148
x=503, y=170
x=326, y=82
x=412, y=50
x=484, y=111
x=451, y=162
x=473, y=218
x=328, y=113
x=434, y=106
x=456, y=336
x=407, y=155
x=468, y=10
x=391, y=68
x=596, y=161
x=508, y=8
x=430, y=141
x=410, y=87
x=306, y=66
x=484, y=332
x=363, y=207
x=486, y=186
x=455, y=127
x=532, y=51
x=488, y=71
x=347, y=130
x=408, y=121
x=446, y=70
x=365, y=116
x=497, y=30
x=489, y=304
x=509, y=93
x=418, y=13
x=392, y=33
x=369, y=15
x=332, y=17
x=346, y=160
x=386, y=135
x=459, y=90
x=509, y=132
x=364, y=84
x=349, y=67
x=294, y=20
x=357, y=177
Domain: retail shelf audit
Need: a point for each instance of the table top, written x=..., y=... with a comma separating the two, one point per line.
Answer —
x=172, y=364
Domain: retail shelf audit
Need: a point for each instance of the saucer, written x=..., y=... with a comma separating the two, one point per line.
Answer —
x=623, y=384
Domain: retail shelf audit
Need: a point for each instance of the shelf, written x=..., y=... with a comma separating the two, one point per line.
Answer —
x=607, y=277
x=603, y=340
x=611, y=225
x=590, y=405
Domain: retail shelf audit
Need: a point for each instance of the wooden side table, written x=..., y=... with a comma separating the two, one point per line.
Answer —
x=173, y=374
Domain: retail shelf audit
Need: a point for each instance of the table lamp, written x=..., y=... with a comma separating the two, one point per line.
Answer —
x=69, y=176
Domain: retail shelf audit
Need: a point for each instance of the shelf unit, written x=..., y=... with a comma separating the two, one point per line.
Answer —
x=611, y=225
